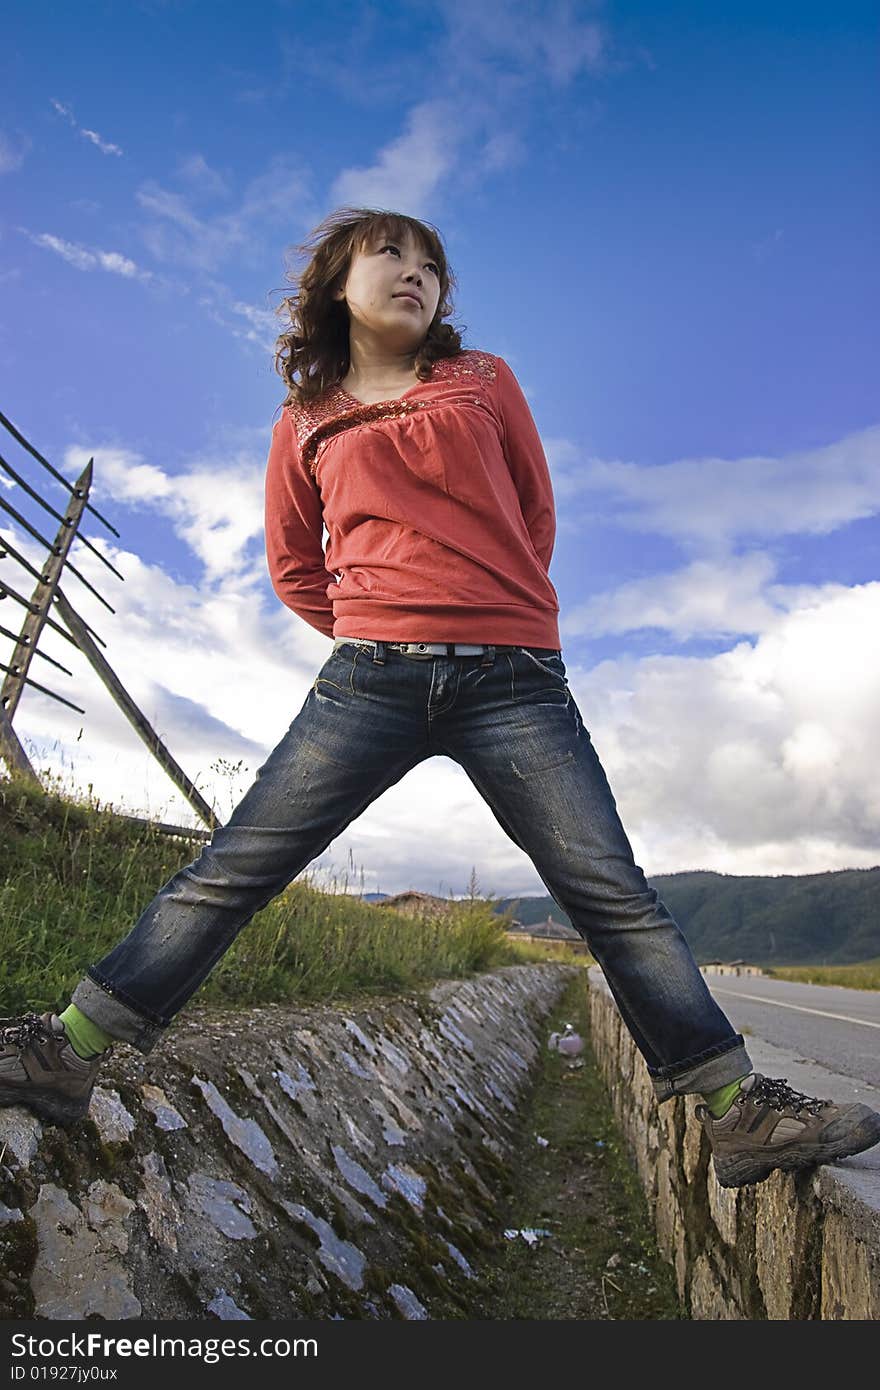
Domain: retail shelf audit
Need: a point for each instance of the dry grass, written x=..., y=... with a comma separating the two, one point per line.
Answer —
x=76, y=875
x=863, y=975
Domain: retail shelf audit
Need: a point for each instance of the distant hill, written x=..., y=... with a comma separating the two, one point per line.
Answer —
x=793, y=919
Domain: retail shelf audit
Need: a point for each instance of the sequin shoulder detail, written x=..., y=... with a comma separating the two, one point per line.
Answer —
x=466, y=365
x=335, y=410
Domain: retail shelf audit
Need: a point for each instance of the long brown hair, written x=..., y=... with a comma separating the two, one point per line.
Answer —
x=315, y=347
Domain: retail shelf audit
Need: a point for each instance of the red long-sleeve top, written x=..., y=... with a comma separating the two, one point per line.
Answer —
x=438, y=508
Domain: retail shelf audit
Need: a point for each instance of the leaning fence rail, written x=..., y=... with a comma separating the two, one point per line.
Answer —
x=47, y=597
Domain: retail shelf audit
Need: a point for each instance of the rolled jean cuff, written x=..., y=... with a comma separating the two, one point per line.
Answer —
x=704, y=1074
x=121, y=1020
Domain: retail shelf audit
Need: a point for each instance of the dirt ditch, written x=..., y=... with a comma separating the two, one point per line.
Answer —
x=573, y=1181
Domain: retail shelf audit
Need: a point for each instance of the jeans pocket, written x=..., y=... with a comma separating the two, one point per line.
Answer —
x=537, y=673
x=337, y=669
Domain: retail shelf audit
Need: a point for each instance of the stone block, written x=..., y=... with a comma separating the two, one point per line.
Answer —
x=723, y=1203
x=681, y=1259
x=850, y=1273
x=667, y=1211
x=709, y=1301
x=78, y=1271
x=781, y=1230
x=694, y=1138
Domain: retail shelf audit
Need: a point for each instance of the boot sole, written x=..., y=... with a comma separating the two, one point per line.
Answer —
x=747, y=1168
x=60, y=1110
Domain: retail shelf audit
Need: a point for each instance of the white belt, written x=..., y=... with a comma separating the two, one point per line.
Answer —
x=422, y=649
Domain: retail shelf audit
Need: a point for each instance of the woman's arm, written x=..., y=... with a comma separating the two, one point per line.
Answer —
x=294, y=528
x=527, y=462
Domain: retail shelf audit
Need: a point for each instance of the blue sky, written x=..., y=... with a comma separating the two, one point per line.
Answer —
x=664, y=218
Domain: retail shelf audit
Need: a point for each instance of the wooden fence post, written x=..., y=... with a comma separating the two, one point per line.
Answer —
x=13, y=754
x=146, y=731
x=41, y=599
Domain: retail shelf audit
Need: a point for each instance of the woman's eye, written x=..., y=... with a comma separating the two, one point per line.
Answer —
x=389, y=246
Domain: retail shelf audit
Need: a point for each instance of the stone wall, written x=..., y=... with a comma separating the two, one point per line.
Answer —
x=796, y=1246
x=280, y=1162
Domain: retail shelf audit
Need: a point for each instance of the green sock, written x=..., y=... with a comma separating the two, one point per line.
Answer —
x=720, y=1101
x=86, y=1038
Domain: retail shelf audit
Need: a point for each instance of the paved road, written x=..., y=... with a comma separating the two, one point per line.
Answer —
x=838, y=1028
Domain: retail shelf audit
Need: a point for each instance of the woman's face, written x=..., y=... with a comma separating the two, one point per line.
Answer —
x=392, y=289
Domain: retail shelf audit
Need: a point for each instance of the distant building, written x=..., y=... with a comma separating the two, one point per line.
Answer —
x=549, y=929
x=731, y=967
x=415, y=904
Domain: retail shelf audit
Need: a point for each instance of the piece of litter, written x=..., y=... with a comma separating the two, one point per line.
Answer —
x=530, y=1234
x=542, y=1141
x=606, y=1279
x=569, y=1043
x=613, y=1261
x=600, y=1143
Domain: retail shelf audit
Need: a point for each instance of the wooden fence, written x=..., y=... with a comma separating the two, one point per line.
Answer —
x=47, y=598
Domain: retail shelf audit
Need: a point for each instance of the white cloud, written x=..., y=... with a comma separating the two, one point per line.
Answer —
x=176, y=232
x=709, y=501
x=12, y=152
x=251, y=323
x=262, y=324
x=105, y=146
x=502, y=150
x=119, y=265
x=197, y=172
x=703, y=598
x=482, y=72
x=66, y=112
x=532, y=37
x=216, y=505
x=84, y=258
x=761, y=759
x=76, y=256
x=408, y=170
x=569, y=44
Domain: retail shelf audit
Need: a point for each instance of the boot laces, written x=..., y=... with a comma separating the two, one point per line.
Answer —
x=778, y=1095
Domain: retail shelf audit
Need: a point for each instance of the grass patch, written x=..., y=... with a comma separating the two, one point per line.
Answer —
x=75, y=876
x=863, y=975
x=601, y=1260
x=536, y=951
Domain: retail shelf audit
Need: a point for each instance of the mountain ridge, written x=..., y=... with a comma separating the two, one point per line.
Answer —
x=827, y=918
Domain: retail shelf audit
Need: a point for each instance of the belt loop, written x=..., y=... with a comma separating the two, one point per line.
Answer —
x=488, y=657
x=379, y=654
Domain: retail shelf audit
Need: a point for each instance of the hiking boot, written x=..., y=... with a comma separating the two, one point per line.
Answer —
x=39, y=1068
x=771, y=1126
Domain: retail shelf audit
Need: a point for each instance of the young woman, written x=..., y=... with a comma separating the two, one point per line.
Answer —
x=423, y=462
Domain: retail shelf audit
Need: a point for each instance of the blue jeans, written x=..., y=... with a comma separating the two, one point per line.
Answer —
x=371, y=715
